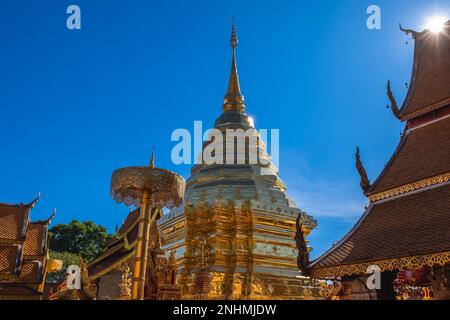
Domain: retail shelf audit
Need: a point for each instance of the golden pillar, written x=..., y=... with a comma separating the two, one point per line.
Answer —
x=141, y=249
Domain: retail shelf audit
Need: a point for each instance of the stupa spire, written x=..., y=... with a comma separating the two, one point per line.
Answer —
x=233, y=99
x=152, y=159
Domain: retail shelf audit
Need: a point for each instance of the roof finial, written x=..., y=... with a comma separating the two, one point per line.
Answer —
x=34, y=202
x=407, y=31
x=234, y=98
x=152, y=159
x=52, y=216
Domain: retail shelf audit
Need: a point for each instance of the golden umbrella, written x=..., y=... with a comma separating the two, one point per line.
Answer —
x=151, y=189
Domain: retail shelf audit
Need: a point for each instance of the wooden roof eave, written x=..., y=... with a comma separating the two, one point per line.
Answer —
x=125, y=244
x=115, y=265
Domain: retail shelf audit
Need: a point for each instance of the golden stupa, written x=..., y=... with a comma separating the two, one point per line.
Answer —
x=233, y=237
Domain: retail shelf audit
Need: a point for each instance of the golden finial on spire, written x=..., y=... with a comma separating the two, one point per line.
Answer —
x=233, y=38
x=234, y=98
x=152, y=159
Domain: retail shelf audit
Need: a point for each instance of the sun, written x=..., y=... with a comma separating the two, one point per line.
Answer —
x=436, y=23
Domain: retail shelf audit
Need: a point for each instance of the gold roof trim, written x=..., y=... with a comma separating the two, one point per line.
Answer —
x=410, y=263
x=428, y=182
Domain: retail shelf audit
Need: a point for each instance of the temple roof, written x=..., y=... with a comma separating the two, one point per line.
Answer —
x=10, y=256
x=23, y=250
x=13, y=221
x=407, y=226
x=36, y=239
x=423, y=152
x=430, y=82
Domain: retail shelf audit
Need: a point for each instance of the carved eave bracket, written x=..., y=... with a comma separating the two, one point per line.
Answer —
x=365, y=182
x=394, y=106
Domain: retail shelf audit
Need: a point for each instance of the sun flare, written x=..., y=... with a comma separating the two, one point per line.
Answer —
x=436, y=23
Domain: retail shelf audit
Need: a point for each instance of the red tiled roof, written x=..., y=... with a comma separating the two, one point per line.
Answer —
x=22, y=250
x=13, y=221
x=11, y=289
x=30, y=273
x=35, y=239
x=430, y=82
x=411, y=225
x=9, y=259
x=423, y=152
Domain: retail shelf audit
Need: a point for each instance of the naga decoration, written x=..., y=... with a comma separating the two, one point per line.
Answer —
x=394, y=106
x=303, y=254
x=151, y=189
x=365, y=183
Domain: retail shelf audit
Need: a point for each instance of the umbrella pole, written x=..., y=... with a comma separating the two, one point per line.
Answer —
x=141, y=249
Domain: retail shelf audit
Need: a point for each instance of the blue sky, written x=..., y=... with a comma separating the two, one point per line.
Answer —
x=76, y=105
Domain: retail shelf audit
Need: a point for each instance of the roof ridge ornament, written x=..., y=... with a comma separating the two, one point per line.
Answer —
x=408, y=31
x=365, y=182
x=33, y=203
x=394, y=106
x=52, y=216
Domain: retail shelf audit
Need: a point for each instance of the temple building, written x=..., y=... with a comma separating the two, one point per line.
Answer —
x=405, y=231
x=232, y=238
x=234, y=235
x=110, y=275
x=24, y=258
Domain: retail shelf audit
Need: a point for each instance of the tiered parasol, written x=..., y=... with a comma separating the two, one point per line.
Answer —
x=151, y=189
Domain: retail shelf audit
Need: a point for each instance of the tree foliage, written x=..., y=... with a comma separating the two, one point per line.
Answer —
x=85, y=239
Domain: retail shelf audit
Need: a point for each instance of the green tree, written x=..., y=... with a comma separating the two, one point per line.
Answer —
x=85, y=239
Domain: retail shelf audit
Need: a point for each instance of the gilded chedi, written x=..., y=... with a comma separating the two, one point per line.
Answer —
x=234, y=235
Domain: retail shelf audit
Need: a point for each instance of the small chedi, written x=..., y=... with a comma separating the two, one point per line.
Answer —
x=404, y=232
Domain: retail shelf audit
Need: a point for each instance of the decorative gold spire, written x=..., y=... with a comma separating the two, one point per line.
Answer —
x=233, y=99
x=152, y=159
